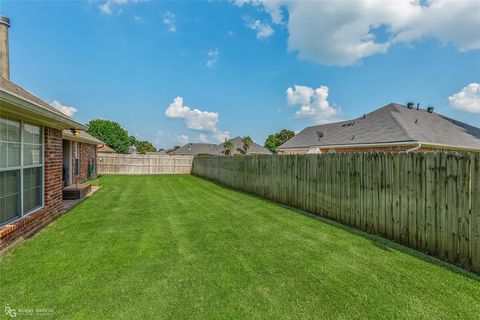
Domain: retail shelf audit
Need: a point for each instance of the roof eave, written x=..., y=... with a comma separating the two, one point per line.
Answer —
x=385, y=144
x=31, y=111
x=83, y=140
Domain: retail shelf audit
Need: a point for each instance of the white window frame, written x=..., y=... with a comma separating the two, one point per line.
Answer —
x=22, y=168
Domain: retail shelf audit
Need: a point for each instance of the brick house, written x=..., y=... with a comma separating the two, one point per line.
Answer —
x=393, y=128
x=79, y=156
x=31, y=155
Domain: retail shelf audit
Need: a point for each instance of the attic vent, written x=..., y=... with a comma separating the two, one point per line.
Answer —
x=320, y=134
x=410, y=105
x=430, y=109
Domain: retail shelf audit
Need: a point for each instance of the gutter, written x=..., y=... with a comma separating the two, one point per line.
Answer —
x=83, y=140
x=353, y=145
x=414, y=148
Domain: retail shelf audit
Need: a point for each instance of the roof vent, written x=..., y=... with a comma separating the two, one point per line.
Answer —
x=430, y=109
x=410, y=105
x=320, y=134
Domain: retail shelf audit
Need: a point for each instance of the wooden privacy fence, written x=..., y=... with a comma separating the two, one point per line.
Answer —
x=428, y=201
x=143, y=164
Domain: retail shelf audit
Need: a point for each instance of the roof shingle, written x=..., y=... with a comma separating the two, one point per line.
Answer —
x=391, y=124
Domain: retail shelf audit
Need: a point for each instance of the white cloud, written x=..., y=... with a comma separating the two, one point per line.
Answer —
x=137, y=18
x=344, y=32
x=272, y=7
x=68, y=111
x=220, y=136
x=169, y=21
x=203, y=138
x=313, y=104
x=196, y=119
x=264, y=30
x=108, y=6
x=183, y=139
x=213, y=56
x=468, y=99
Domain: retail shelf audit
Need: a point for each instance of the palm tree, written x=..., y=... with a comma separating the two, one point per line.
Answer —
x=227, y=147
x=247, y=143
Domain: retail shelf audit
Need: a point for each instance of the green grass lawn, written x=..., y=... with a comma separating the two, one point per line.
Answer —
x=177, y=247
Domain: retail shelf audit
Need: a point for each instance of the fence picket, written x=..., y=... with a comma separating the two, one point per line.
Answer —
x=430, y=202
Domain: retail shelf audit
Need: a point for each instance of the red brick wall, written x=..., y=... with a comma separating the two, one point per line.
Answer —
x=32, y=223
x=88, y=154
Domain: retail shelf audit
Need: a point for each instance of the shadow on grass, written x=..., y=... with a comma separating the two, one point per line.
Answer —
x=381, y=243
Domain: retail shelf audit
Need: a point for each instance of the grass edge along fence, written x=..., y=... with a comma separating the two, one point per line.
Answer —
x=427, y=201
x=115, y=163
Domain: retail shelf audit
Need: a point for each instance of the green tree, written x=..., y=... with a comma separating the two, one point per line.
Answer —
x=275, y=140
x=144, y=147
x=228, y=147
x=284, y=135
x=271, y=143
x=111, y=133
x=247, y=143
x=133, y=141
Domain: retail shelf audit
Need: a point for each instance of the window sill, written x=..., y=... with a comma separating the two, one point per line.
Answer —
x=13, y=225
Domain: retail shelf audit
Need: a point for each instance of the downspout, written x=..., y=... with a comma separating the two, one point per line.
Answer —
x=418, y=146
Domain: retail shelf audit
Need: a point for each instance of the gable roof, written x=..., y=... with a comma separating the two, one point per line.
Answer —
x=196, y=148
x=393, y=123
x=217, y=149
x=81, y=137
x=105, y=149
x=25, y=103
x=238, y=147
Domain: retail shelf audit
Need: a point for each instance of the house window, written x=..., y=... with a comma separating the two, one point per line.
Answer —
x=21, y=169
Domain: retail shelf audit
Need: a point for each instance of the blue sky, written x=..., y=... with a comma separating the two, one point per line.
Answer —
x=128, y=60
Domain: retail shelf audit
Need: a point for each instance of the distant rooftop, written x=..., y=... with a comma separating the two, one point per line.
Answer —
x=217, y=149
x=393, y=123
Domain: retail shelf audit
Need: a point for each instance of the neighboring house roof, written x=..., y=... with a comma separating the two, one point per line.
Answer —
x=81, y=137
x=161, y=152
x=217, y=149
x=26, y=104
x=105, y=149
x=196, y=148
x=393, y=123
x=238, y=147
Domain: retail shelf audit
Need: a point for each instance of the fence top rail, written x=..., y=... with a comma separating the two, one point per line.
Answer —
x=144, y=156
x=420, y=154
